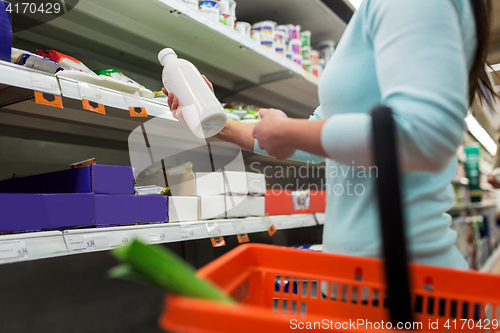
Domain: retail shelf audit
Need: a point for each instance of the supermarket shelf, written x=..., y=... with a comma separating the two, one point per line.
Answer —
x=230, y=60
x=320, y=218
x=491, y=265
x=476, y=205
x=46, y=244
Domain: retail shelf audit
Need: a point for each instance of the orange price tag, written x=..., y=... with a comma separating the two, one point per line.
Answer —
x=137, y=112
x=93, y=106
x=271, y=230
x=218, y=241
x=243, y=238
x=48, y=99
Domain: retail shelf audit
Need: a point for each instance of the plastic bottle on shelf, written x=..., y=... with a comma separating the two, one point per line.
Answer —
x=201, y=110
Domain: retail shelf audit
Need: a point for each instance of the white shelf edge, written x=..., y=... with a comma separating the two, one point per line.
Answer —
x=47, y=244
x=491, y=261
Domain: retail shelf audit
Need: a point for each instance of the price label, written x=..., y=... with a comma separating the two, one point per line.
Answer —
x=186, y=233
x=45, y=84
x=271, y=229
x=156, y=237
x=90, y=92
x=135, y=106
x=80, y=243
x=12, y=251
x=117, y=239
x=239, y=229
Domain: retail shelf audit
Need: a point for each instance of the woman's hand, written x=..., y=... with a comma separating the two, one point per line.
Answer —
x=271, y=133
x=173, y=102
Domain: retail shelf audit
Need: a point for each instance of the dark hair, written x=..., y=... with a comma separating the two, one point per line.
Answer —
x=479, y=82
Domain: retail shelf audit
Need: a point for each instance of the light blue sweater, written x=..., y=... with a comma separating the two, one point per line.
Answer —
x=413, y=56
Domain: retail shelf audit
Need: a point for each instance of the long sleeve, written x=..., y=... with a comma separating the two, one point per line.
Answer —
x=299, y=155
x=422, y=71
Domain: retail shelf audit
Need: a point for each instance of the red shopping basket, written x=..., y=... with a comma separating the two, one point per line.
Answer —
x=280, y=289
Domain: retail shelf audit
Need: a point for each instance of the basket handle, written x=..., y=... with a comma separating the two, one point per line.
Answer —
x=391, y=215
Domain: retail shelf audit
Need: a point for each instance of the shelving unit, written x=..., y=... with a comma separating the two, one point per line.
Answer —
x=48, y=244
x=244, y=70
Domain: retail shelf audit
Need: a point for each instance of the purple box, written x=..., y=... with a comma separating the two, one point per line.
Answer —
x=151, y=208
x=28, y=212
x=115, y=210
x=98, y=179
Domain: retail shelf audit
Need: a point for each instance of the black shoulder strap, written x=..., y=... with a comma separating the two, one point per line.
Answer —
x=391, y=215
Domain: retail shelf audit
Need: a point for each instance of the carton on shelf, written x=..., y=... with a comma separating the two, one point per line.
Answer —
x=196, y=184
x=115, y=210
x=212, y=207
x=29, y=212
x=182, y=208
x=235, y=182
x=278, y=202
x=256, y=205
x=236, y=205
x=256, y=183
x=97, y=179
x=151, y=208
x=318, y=201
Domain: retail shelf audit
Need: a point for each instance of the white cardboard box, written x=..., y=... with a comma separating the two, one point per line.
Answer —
x=256, y=183
x=183, y=209
x=196, y=184
x=256, y=205
x=209, y=183
x=235, y=182
x=236, y=205
x=212, y=207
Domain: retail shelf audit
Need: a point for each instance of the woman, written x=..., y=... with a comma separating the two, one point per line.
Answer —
x=426, y=60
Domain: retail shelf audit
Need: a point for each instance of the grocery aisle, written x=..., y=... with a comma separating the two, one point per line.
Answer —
x=93, y=159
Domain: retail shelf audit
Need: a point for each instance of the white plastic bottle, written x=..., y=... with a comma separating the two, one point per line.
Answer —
x=201, y=110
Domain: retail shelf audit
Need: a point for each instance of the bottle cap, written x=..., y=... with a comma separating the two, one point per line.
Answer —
x=164, y=53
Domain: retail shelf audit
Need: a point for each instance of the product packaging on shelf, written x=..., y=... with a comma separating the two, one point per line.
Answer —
x=28, y=59
x=256, y=183
x=281, y=33
x=305, y=36
x=314, y=56
x=280, y=48
x=201, y=110
x=191, y=3
x=235, y=182
x=97, y=178
x=294, y=31
x=318, y=201
x=243, y=28
x=151, y=208
x=306, y=63
x=5, y=32
x=212, y=207
x=297, y=58
x=266, y=29
x=225, y=16
x=210, y=9
x=236, y=205
x=255, y=35
x=117, y=75
x=30, y=212
x=115, y=210
x=301, y=202
x=306, y=52
x=65, y=61
x=196, y=184
x=182, y=209
x=295, y=46
x=269, y=43
x=326, y=49
x=278, y=202
x=256, y=205
x=316, y=70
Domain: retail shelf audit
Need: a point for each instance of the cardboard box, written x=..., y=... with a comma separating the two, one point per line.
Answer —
x=236, y=205
x=115, y=209
x=235, y=182
x=209, y=183
x=256, y=205
x=212, y=207
x=28, y=212
x=196, y=184
x=182, y=185
x=256, y=183
x=97, y=179
x=182, y=209
x=278, y=202
x=318, y=201
x=301, y=202
x=151, y=208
